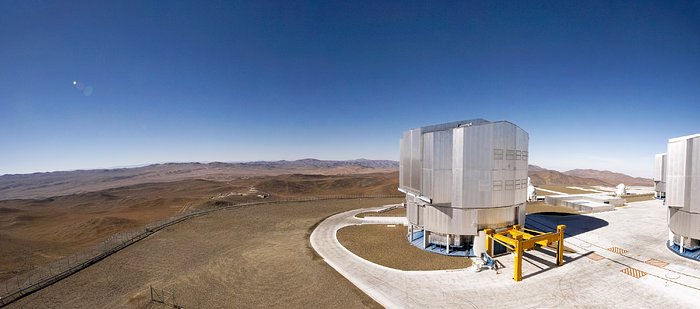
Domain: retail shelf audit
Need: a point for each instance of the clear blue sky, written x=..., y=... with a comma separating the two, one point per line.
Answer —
x=597, y=85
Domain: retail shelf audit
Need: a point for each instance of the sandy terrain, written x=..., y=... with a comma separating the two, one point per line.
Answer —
x=34, y=232
x=256, y=256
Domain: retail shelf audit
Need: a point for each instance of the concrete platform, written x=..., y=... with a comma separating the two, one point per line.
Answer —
x=585, y=203
x=621, y=260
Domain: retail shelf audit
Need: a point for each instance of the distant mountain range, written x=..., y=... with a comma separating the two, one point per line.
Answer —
x=43, y=185
x=583, y=177
x=315, y=163
x=610, y=177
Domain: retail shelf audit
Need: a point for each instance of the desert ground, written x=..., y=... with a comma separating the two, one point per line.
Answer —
x=34, y=232
x=247, y=256
x=256, y=256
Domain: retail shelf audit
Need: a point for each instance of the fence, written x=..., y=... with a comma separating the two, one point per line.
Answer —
x=164, y=297
x=36, y=279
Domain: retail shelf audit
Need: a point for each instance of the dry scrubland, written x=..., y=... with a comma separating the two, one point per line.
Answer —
x=256, y=256
x=34, y=232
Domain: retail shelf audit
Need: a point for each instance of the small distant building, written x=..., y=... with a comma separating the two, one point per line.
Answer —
x=660, y=176
x=683, y=194
x=531, y=191
x=620, y=190
x=586, y=203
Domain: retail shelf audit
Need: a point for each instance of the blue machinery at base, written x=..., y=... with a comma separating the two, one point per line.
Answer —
x=693, y=254
x=516, y=239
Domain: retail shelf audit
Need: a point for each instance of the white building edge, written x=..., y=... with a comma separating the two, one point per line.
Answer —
x=682, y=191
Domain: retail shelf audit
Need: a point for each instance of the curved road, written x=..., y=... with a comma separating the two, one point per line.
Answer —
x=581, y=281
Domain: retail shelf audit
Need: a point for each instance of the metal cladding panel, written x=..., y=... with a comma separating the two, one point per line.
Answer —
x=676, y=173
x=442, y=187
x=490, y=166
x=427, y=170
x=437, y=166
x=684, y=223
x=472, y=164
x=448, y=220
x=522, y=139
x=660, y=167
x=440, y=167
x=410, y=166
x=513, y=168
x=498, y=217
x=522, y=212
x=412, y=211
x=457, y=167
x=416, y=160
x=405, y=160
x=693, y=179
x=442, y=152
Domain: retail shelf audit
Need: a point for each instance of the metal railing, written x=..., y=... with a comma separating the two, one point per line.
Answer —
x=40, y=277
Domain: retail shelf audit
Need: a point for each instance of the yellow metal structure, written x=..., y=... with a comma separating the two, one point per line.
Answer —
x=518, y=239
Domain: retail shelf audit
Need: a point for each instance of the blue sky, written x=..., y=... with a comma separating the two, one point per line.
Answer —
x=597, y=85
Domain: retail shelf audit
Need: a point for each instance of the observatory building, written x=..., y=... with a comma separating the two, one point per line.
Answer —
x=660, y=175
x=460, y=178
x=683, y=194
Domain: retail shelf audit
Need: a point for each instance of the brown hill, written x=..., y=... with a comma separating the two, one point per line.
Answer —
x=542, y=177
x=610, y=177
x=362, y=184
x=44, y=185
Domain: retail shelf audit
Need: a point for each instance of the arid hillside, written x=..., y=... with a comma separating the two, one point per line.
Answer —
x=610, y=177
x=542, y=177
x=34, y=232
x=318, y=185
x=44, y=185
x=583, y=177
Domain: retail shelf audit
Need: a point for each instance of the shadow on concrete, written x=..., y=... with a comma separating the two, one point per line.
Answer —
x=550, y=264
x=575, y=224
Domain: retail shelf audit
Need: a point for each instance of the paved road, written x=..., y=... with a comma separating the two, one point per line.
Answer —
x=580, y=282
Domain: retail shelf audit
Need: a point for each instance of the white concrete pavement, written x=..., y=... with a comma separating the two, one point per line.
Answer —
x=580, y=282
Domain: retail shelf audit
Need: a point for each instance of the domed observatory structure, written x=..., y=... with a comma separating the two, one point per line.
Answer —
x=460, y=178
x=683, y=195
